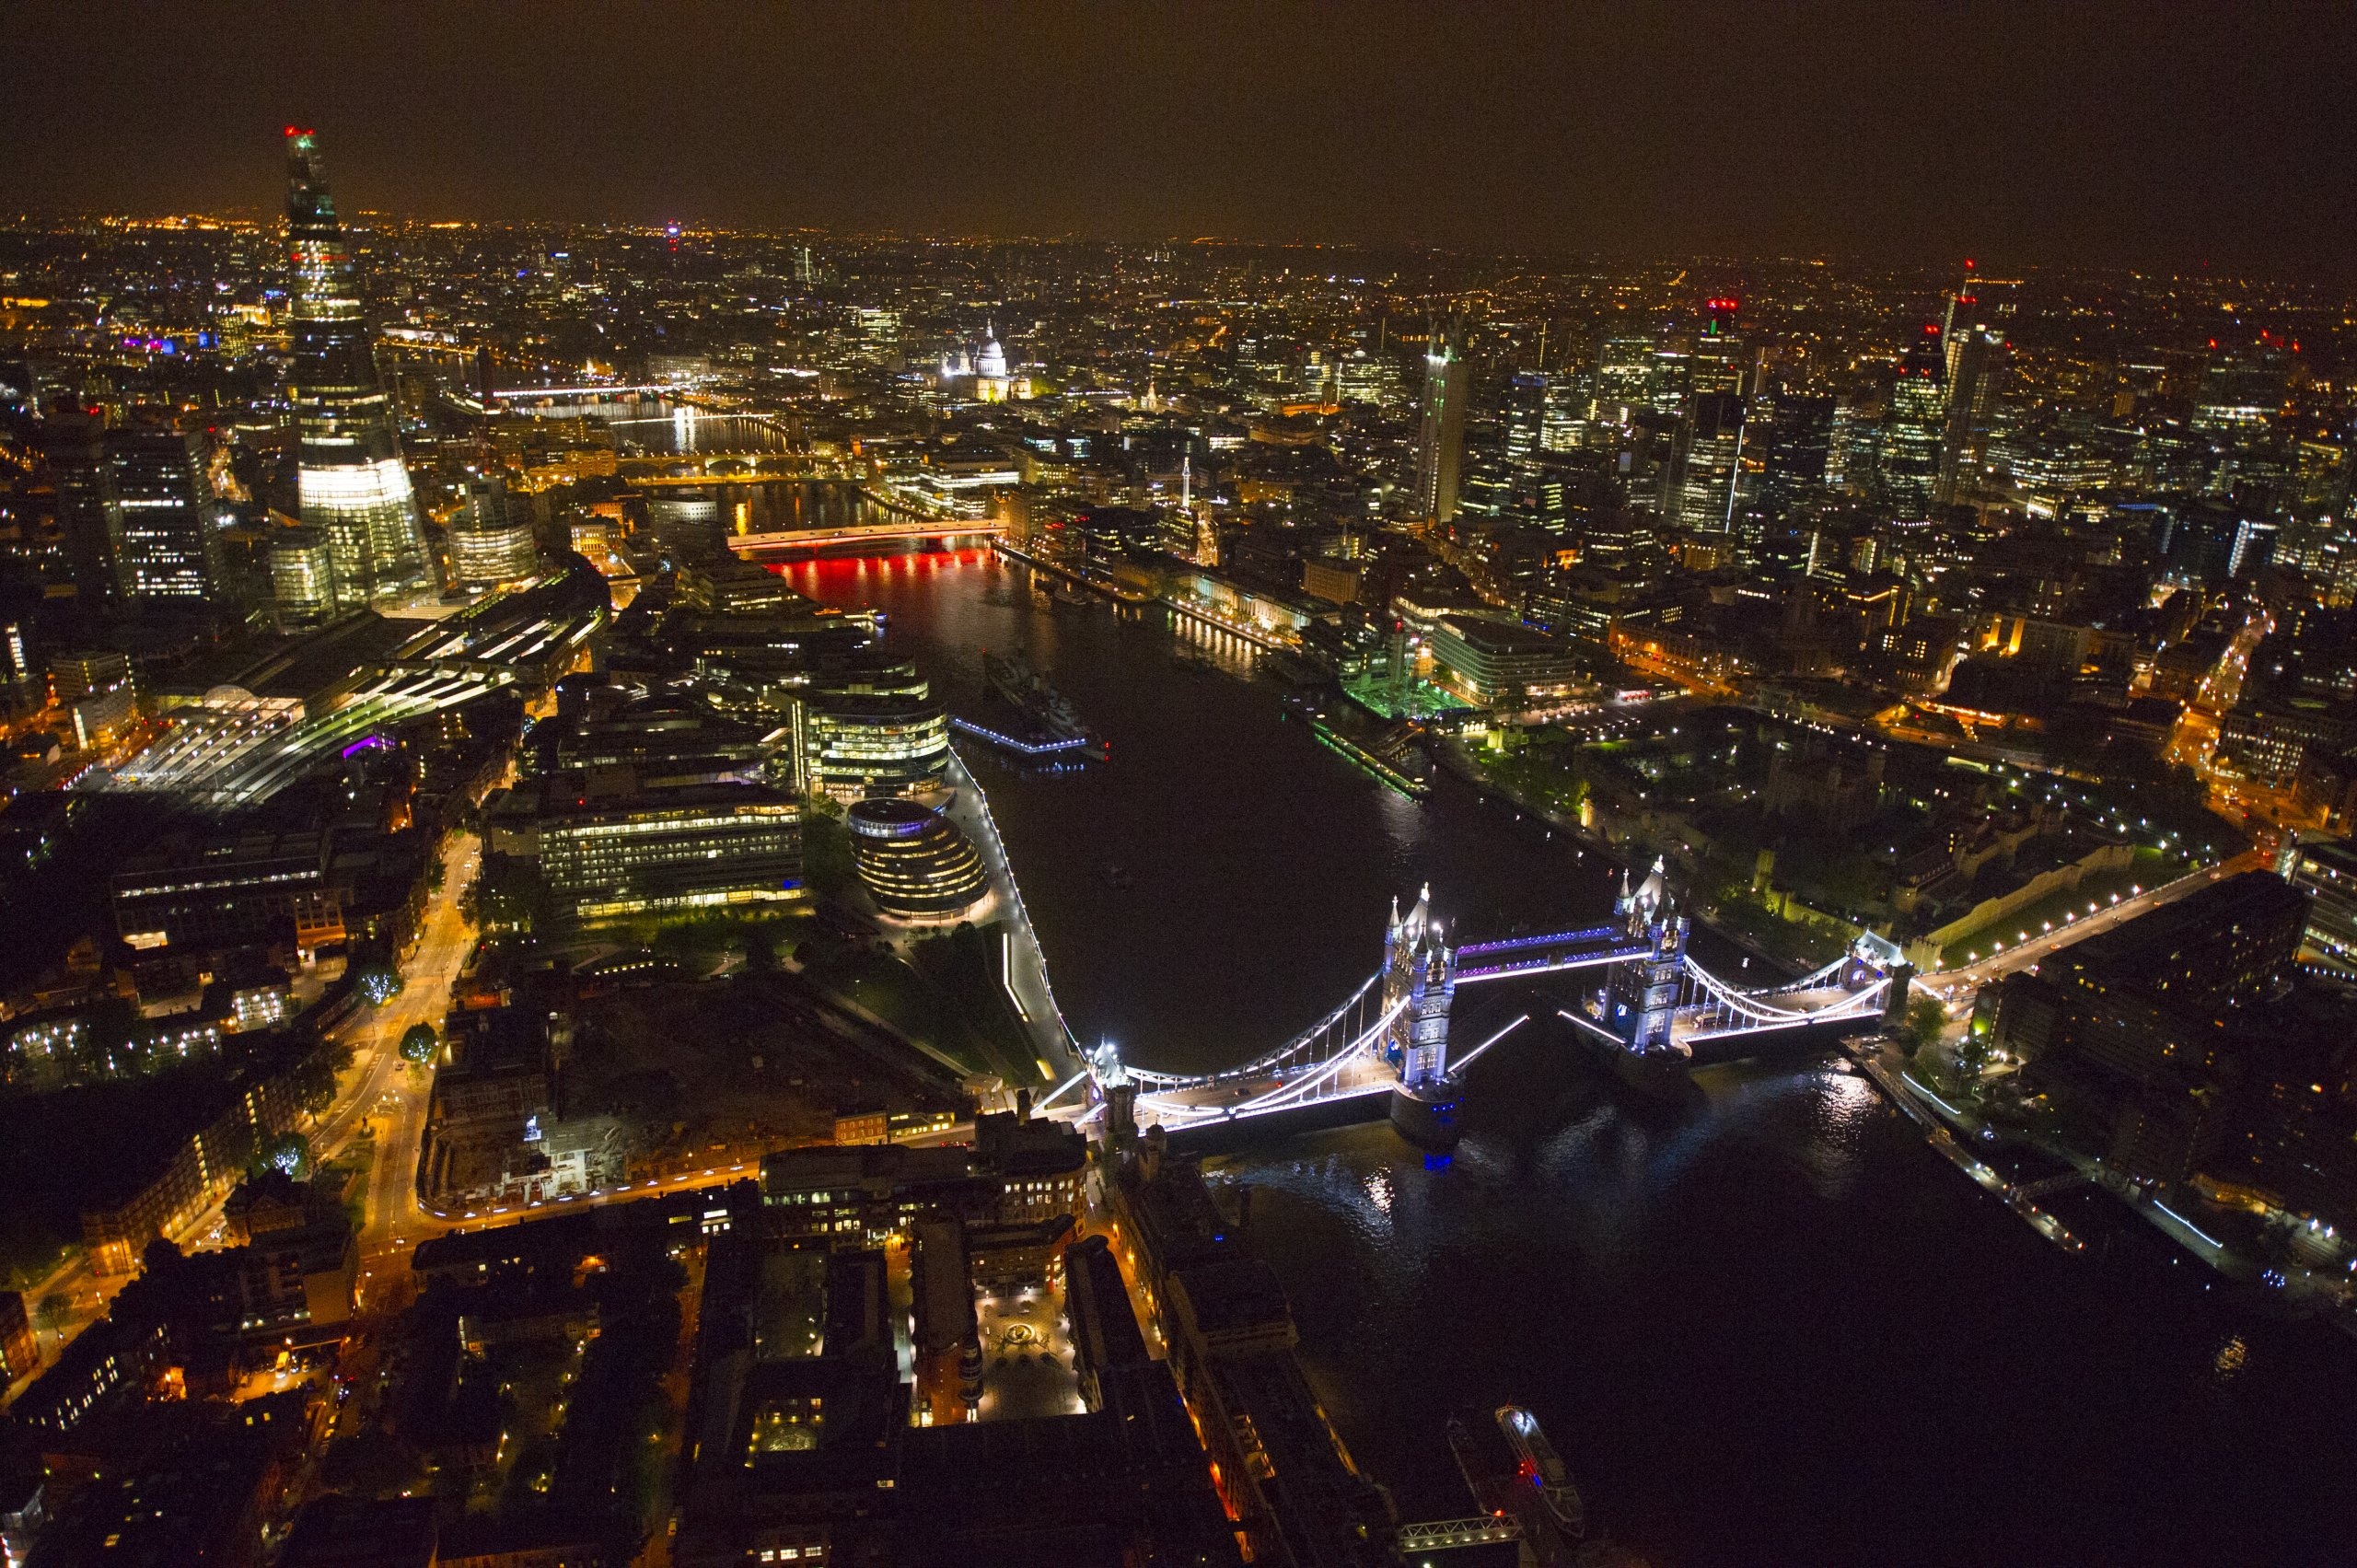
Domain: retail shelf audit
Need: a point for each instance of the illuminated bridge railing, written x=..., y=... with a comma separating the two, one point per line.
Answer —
x=1441, y=1535
x=1716, y=1009
x=1023, y=747
x=1355, y=1068
x=963, y=781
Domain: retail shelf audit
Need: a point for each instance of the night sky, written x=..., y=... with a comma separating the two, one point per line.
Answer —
x=2149, y=134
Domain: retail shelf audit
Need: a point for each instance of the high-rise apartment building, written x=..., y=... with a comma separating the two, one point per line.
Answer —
x=1440, y=437
x=354, y=487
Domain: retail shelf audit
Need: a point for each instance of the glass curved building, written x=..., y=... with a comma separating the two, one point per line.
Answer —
x=914, y=862
x=354, y=487
x=490, y=542
x=866, y=741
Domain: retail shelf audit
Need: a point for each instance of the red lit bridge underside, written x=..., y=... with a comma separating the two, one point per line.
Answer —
x=898, y=529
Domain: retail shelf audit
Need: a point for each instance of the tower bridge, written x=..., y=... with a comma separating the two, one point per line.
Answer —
x=1654, y=1009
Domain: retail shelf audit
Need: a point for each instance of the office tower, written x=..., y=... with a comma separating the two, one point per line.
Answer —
x=1624, y=374
x=2242, y=391
x=1699, y=485
x=353, y=485
x=1721, y=360
x=1558, y=425
x=1440, y=438
x=161, y=494
x=1526, y=412
x=1669, y=377
x=1918, y=419
x=1852, y=440
x=75, y=449
x=1972, y=359
x=1800, y=431
x=491, y=538
x=1974, y=350
x=302, y=577
x=1500, y=452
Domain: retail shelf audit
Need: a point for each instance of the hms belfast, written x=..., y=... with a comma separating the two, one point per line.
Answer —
x=354, y=488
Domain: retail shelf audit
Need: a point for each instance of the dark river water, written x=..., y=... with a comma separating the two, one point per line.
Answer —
x=1768, y=1327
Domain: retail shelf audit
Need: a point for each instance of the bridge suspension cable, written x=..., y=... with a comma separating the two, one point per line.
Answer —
x=1266, y=1061
x=1748, y=1006
x=1318, y=1084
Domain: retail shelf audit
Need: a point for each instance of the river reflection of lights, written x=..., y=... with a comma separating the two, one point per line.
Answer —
x=1379, y=1189
x=1846, y=1097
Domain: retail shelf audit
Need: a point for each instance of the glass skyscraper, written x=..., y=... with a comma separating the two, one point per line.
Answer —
x=1440, y=436
x=1699, y=486
x=163, y=537
x=354, y=488
x=1917, y=420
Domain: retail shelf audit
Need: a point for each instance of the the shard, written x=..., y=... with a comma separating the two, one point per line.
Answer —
x=354, y=487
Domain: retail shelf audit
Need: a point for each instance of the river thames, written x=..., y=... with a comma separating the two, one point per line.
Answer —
x=1768, y=1327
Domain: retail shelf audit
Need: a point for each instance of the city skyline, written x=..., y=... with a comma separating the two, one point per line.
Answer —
x=2170, y=138
x=520, y=1036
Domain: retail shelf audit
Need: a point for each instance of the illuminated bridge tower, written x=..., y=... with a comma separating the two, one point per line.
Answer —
x=1419, y=985
x=1640, y=997
x=354, y=487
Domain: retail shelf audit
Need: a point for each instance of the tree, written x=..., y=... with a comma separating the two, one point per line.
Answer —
x=289, y=1152
x=680, y=940
x=1972, y=1053
x=506, y=892
x=1925, y=1019
x=418, y=1044
x=378, y=983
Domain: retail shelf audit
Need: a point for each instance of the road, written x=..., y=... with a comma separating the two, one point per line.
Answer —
x=2196, y=739
x=1958, y=986
x=381, y=1095
x=391, y=1097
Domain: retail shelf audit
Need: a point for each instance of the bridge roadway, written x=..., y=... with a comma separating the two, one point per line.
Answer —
x=938, y=529
x=1360, y=1074
x=1958, y=985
